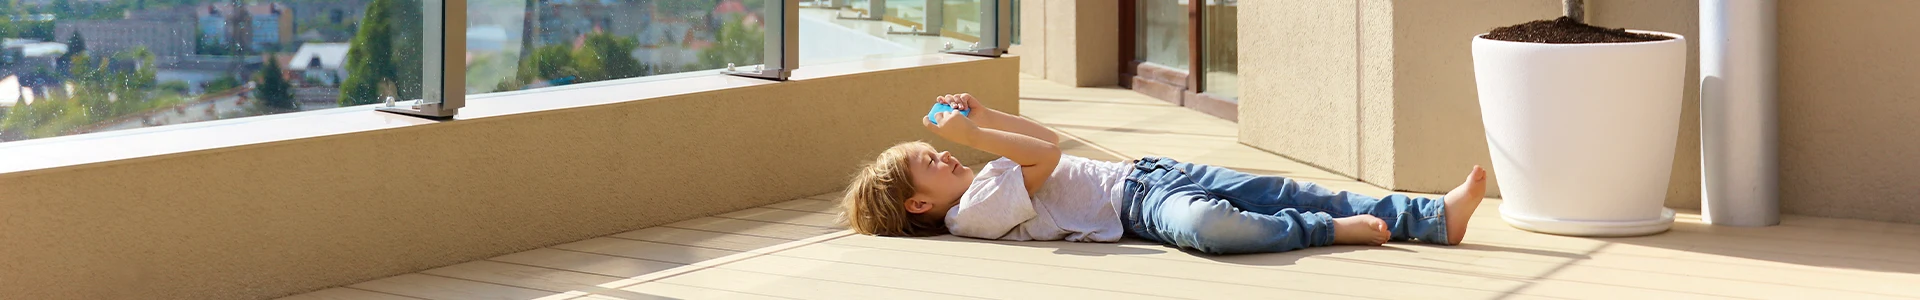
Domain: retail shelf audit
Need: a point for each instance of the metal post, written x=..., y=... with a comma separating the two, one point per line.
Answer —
x=782, y=42
x=830, y=4
x=876, y=11
x=444, y=49
x=996, y=29
x=1739, y=133
x=936, y=17
x=930, y=25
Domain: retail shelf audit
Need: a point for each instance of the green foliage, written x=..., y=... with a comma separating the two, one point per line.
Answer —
x=383, y=54
x=87, y=10
x=604, y=56
x=144, y=76
x=178, y=87
x=79, y=66
x=39, y=30
x=549, y=62
x=275, y=93
x=76, y=43
x=735, y=43
x=99, y=94
x=408, y=47
x=221, y=84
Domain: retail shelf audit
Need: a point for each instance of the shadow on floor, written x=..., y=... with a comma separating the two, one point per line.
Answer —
x=1825, y=248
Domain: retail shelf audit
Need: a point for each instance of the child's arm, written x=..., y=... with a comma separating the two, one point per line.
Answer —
x=1036, y=157
x=994, y=119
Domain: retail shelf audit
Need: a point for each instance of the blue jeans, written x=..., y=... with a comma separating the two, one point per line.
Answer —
x=1221, y=211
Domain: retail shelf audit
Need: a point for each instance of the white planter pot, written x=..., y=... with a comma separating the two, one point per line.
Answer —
x=1582, y=135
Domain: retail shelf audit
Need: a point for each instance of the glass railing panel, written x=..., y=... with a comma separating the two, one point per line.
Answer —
x=830, y=35
x=1221, y=51
x=1161, y=33
x=74, y=67
x=515, y=45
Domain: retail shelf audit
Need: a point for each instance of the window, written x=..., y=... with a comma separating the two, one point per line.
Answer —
x=1220, y=51
x=1015, y=20
x=907, y=27
x=94, y=66
x=527, y=44
x=1162, y=33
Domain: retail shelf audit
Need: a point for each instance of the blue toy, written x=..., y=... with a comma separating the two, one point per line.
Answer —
x=940, y=108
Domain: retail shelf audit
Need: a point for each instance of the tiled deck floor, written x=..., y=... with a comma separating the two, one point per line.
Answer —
x=791, y=249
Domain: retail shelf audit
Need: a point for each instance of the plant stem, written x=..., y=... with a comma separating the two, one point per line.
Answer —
x=1574, y=9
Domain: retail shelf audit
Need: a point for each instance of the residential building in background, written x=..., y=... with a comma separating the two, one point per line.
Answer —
x=322, y=64
x=109, y=37
x=264, y=26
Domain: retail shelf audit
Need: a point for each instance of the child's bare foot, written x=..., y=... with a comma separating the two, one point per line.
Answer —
x=1360, y=230
x=1461, y=202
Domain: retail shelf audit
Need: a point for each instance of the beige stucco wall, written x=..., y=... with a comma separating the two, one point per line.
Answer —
x=273, y=219
x=1437, y=130
x=1298, y=72
x=1309, y=97
x=1070, y=42
x=1032, y=48
x=1849, y=108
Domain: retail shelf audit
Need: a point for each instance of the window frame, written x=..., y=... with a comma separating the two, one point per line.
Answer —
x=442, y=53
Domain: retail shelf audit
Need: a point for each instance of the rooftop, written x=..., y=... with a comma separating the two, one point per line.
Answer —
x=792, y=249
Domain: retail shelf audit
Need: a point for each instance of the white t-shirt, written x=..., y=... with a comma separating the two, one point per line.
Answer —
x=1078, y=203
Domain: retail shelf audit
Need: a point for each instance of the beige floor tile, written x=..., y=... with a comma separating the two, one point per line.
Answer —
x=798, y=287
x=754, y=228
x=796, y=250
x=442, y=288
x=810, y=205
x=591, y=263
x=342, y=293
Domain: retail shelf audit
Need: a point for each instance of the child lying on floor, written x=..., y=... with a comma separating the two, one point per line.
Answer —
x=1036, y=193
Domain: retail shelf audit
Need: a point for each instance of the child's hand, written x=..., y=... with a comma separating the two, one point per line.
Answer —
x=961, y=101
x=952, y=126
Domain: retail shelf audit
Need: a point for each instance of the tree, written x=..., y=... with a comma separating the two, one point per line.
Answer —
x=408, y=47
x=275, y=93
x=527, y=26
x=76, y=46
x=77, y=65
x=76, y=43
x=368, y=60
x=737, y=44
x=39, y=30
x=144, y=76
x=549, y=62
x=382, y=54
x=604, y=56
x=7, y=28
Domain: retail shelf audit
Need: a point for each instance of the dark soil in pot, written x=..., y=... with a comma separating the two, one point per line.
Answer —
x=1565, y=30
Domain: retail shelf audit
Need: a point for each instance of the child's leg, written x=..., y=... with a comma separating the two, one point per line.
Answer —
x=1166, y=206
x=1189, y=218
x=1408, y=218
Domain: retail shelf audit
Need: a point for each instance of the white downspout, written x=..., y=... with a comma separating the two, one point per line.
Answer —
x=1739, y=135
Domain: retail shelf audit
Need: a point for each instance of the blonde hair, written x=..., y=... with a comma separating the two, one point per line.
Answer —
x=875, y=203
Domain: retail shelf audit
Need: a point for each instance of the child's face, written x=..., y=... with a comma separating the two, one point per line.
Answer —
x=938, y=181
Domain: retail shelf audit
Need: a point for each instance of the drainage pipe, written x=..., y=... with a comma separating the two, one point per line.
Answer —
x=1739, y=133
